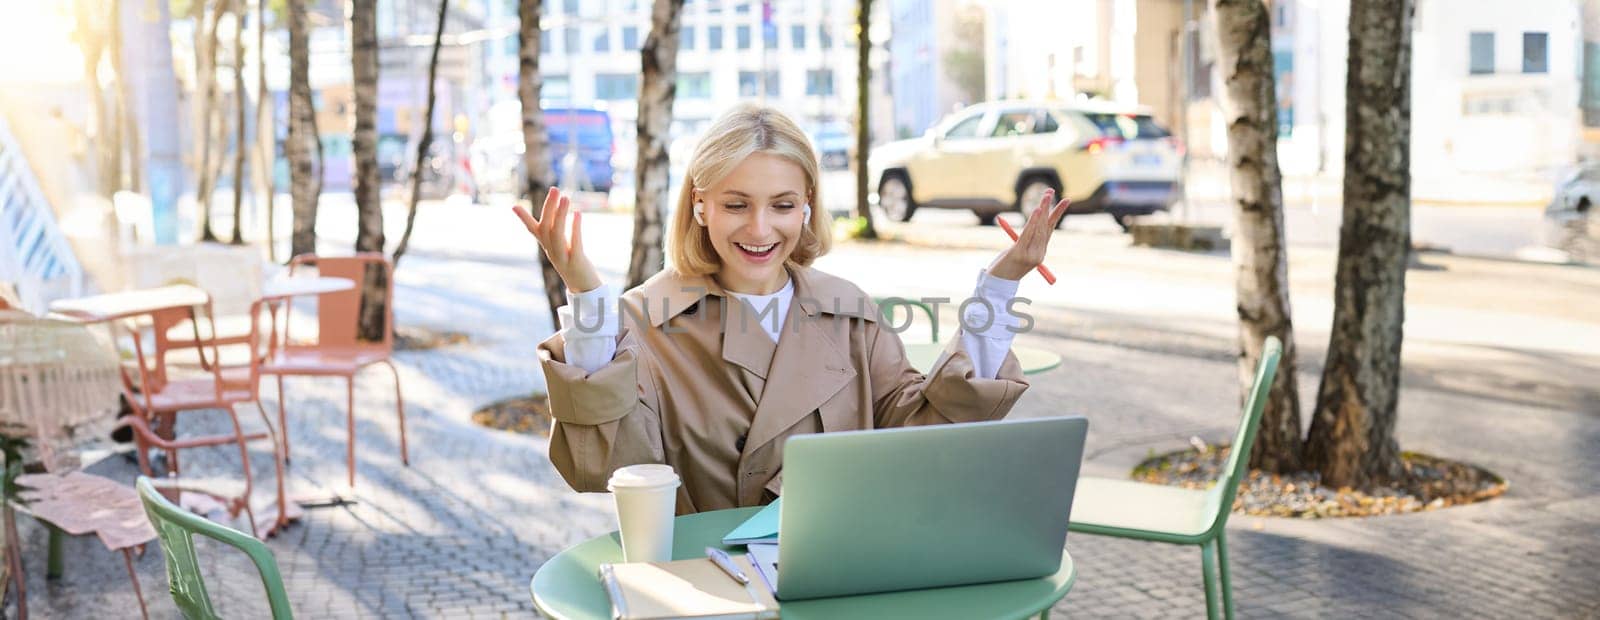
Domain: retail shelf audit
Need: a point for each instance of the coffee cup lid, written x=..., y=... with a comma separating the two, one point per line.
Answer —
x=652, y=475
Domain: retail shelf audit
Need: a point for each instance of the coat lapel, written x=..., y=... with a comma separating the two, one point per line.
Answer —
x=744, y=342
x=809, y=367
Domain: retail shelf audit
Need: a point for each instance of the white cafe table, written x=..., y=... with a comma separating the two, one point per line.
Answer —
x=113, y=306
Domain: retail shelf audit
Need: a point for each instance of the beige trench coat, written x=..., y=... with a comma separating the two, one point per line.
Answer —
x=717, y=403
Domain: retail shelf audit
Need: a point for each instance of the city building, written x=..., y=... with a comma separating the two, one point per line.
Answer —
x=922, y=48
x=798, y=56
x=1498, y=90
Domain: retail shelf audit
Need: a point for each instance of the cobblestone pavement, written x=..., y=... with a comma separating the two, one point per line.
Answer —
x=459, y=533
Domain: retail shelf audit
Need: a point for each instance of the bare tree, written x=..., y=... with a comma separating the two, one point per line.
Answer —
x=535, y=152
x=1352, y=430
x=266, y=131
x=1260, y=257
x=364, y=145
x=207, y=118
x=305, y=175
x=963, y=59
x=240, y=101
x=91, y=32
x=426, y=141
x=863, y=126
x=130, y=150
x=659, y=59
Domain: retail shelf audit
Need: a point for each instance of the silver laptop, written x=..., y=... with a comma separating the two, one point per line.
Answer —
x=923, y=507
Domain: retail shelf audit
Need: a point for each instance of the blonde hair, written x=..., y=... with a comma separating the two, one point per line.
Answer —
x=747, y=128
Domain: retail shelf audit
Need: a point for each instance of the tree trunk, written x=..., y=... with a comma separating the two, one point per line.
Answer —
x=1352, y=430
x=239, y=100
x=364, y=145
x=863, y=127
x=657, y=90
x=206, y=81
x=426, y=141
x=1260, y=258
x=266, y=132
x=129, y=148
x=535, y=152
x=91, y=44
x=305, y=179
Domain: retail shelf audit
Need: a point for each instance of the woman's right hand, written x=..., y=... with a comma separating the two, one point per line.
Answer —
x=577, y=273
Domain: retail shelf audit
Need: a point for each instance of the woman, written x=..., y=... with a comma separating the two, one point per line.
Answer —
x=739, y=344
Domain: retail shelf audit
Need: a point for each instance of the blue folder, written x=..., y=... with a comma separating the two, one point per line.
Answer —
x=763, y=527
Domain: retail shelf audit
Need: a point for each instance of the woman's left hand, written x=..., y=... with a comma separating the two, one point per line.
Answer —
x=1028, y=252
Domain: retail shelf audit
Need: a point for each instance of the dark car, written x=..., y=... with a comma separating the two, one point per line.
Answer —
x=1570, y=224
x=497, y=156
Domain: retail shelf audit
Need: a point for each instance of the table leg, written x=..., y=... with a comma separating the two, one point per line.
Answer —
x=282, y=519
x=14, y=557
x=127, y=560
x=13, y=553
x=55, y=566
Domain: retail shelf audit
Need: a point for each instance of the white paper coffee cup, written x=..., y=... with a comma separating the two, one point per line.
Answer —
x=647, y=498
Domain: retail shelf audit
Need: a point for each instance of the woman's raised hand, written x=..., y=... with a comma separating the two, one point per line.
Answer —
x=566, y=254
x=1029, y=250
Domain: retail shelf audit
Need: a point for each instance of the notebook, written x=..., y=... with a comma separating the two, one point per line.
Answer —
x=760, y=528
x=694, y=588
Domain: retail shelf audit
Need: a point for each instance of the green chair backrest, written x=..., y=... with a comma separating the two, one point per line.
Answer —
x=1221, y=495
x=175, y=528
x=887, y=304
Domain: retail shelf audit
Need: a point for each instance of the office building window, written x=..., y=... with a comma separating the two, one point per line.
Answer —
x=1589, y=100
x=615, y=86
x=569, y=39
x=797, y=37
x=602, y=42
x=769, y=36
x=686, y=38
x=1535, y=52
x=713, y=38
x=750, y=83
x=569, y=7
x=819, y=82
x=544, y=42
x=694, y=85
x=1481, y=54
x=824, y=37
x=630, y=38
x=555, y=87
x=743, y=7
x=741, y=36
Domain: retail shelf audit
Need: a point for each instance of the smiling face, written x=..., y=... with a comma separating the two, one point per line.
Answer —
x=754, y=219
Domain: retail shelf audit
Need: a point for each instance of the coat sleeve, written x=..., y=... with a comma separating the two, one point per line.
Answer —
x=604, y=419
x=952, y=391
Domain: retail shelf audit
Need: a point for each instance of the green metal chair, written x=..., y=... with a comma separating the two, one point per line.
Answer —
x=176, y=527
x=890, y=303
x=1128, y=509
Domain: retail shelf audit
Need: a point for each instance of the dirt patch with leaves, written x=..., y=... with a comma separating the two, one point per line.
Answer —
x=1434, y=483
x=412, y=338
x=529, y=415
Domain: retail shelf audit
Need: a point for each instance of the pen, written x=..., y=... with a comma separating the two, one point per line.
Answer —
x=1043, y=270
x=721, y=559
x=619, y=609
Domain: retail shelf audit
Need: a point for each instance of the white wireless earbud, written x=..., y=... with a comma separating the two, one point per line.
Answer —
x=700, y=213
x=805, y=221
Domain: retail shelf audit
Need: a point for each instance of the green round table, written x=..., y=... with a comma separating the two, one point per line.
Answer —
x=923, y=355
x=568, y=586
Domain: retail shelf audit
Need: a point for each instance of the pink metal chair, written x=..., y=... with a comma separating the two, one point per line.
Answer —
x=338, y=351
x=157, y=399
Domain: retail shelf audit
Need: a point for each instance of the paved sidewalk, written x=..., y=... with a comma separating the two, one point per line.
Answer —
x=460, y=532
